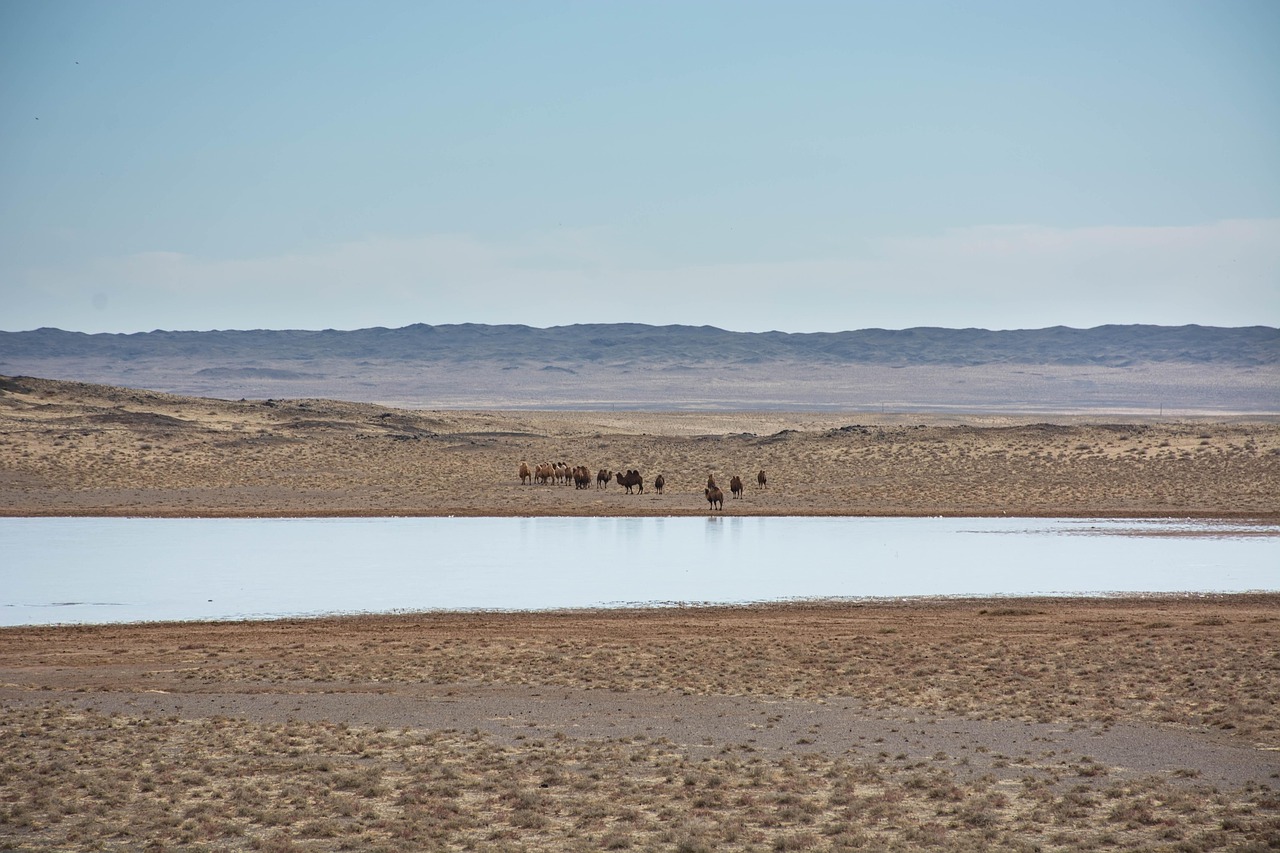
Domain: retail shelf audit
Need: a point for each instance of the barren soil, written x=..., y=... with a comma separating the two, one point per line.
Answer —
x=68, y=448
x=1037, y=724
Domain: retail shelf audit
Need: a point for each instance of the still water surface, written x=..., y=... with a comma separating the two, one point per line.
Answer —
x=100, y=570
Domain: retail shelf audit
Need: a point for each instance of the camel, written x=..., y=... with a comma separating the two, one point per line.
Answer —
x=658, y=483
x=761, y=479
x=735, y=486
x=629, y=480
x=581, y=477
x=544, y=473
x=603, y=478
x=526, y=476
x=715, y=497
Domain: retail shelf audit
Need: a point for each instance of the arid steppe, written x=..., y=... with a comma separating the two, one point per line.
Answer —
x=1145, y=723
x=1045, y=724
x=69, y=448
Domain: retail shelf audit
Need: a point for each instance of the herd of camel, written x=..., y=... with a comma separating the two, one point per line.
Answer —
x=548, y=473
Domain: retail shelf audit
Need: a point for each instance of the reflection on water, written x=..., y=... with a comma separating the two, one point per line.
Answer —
x=1176, y=527
x=115, y=570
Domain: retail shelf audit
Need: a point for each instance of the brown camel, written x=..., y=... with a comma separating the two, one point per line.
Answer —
x=630, y=480
x=735, y=486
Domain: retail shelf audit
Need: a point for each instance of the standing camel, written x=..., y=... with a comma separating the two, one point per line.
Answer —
x=630, y=480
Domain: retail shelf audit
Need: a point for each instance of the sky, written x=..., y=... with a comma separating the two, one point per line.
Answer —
x=799, y=166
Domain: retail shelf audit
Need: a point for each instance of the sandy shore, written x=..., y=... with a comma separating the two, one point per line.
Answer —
x=67, y=448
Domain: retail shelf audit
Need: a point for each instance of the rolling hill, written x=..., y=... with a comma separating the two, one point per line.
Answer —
x=1193, y=369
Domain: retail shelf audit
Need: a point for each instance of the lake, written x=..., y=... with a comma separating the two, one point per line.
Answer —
x=104, y=570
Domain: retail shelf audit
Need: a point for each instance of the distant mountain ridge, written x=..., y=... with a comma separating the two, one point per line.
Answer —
x=634, y=366
x=1112, y=346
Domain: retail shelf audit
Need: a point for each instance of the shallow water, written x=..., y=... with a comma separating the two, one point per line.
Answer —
x=101, y=570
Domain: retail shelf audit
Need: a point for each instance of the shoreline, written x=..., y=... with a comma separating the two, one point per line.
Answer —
x=708, y=609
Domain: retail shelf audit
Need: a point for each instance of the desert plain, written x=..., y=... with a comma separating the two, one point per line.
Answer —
x=78, y=449
x=1015, y=724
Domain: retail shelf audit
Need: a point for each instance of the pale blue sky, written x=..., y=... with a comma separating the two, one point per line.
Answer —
x=798, y=166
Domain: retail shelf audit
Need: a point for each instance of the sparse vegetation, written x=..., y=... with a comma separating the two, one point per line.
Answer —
x=319, y=457
x=216, y=735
